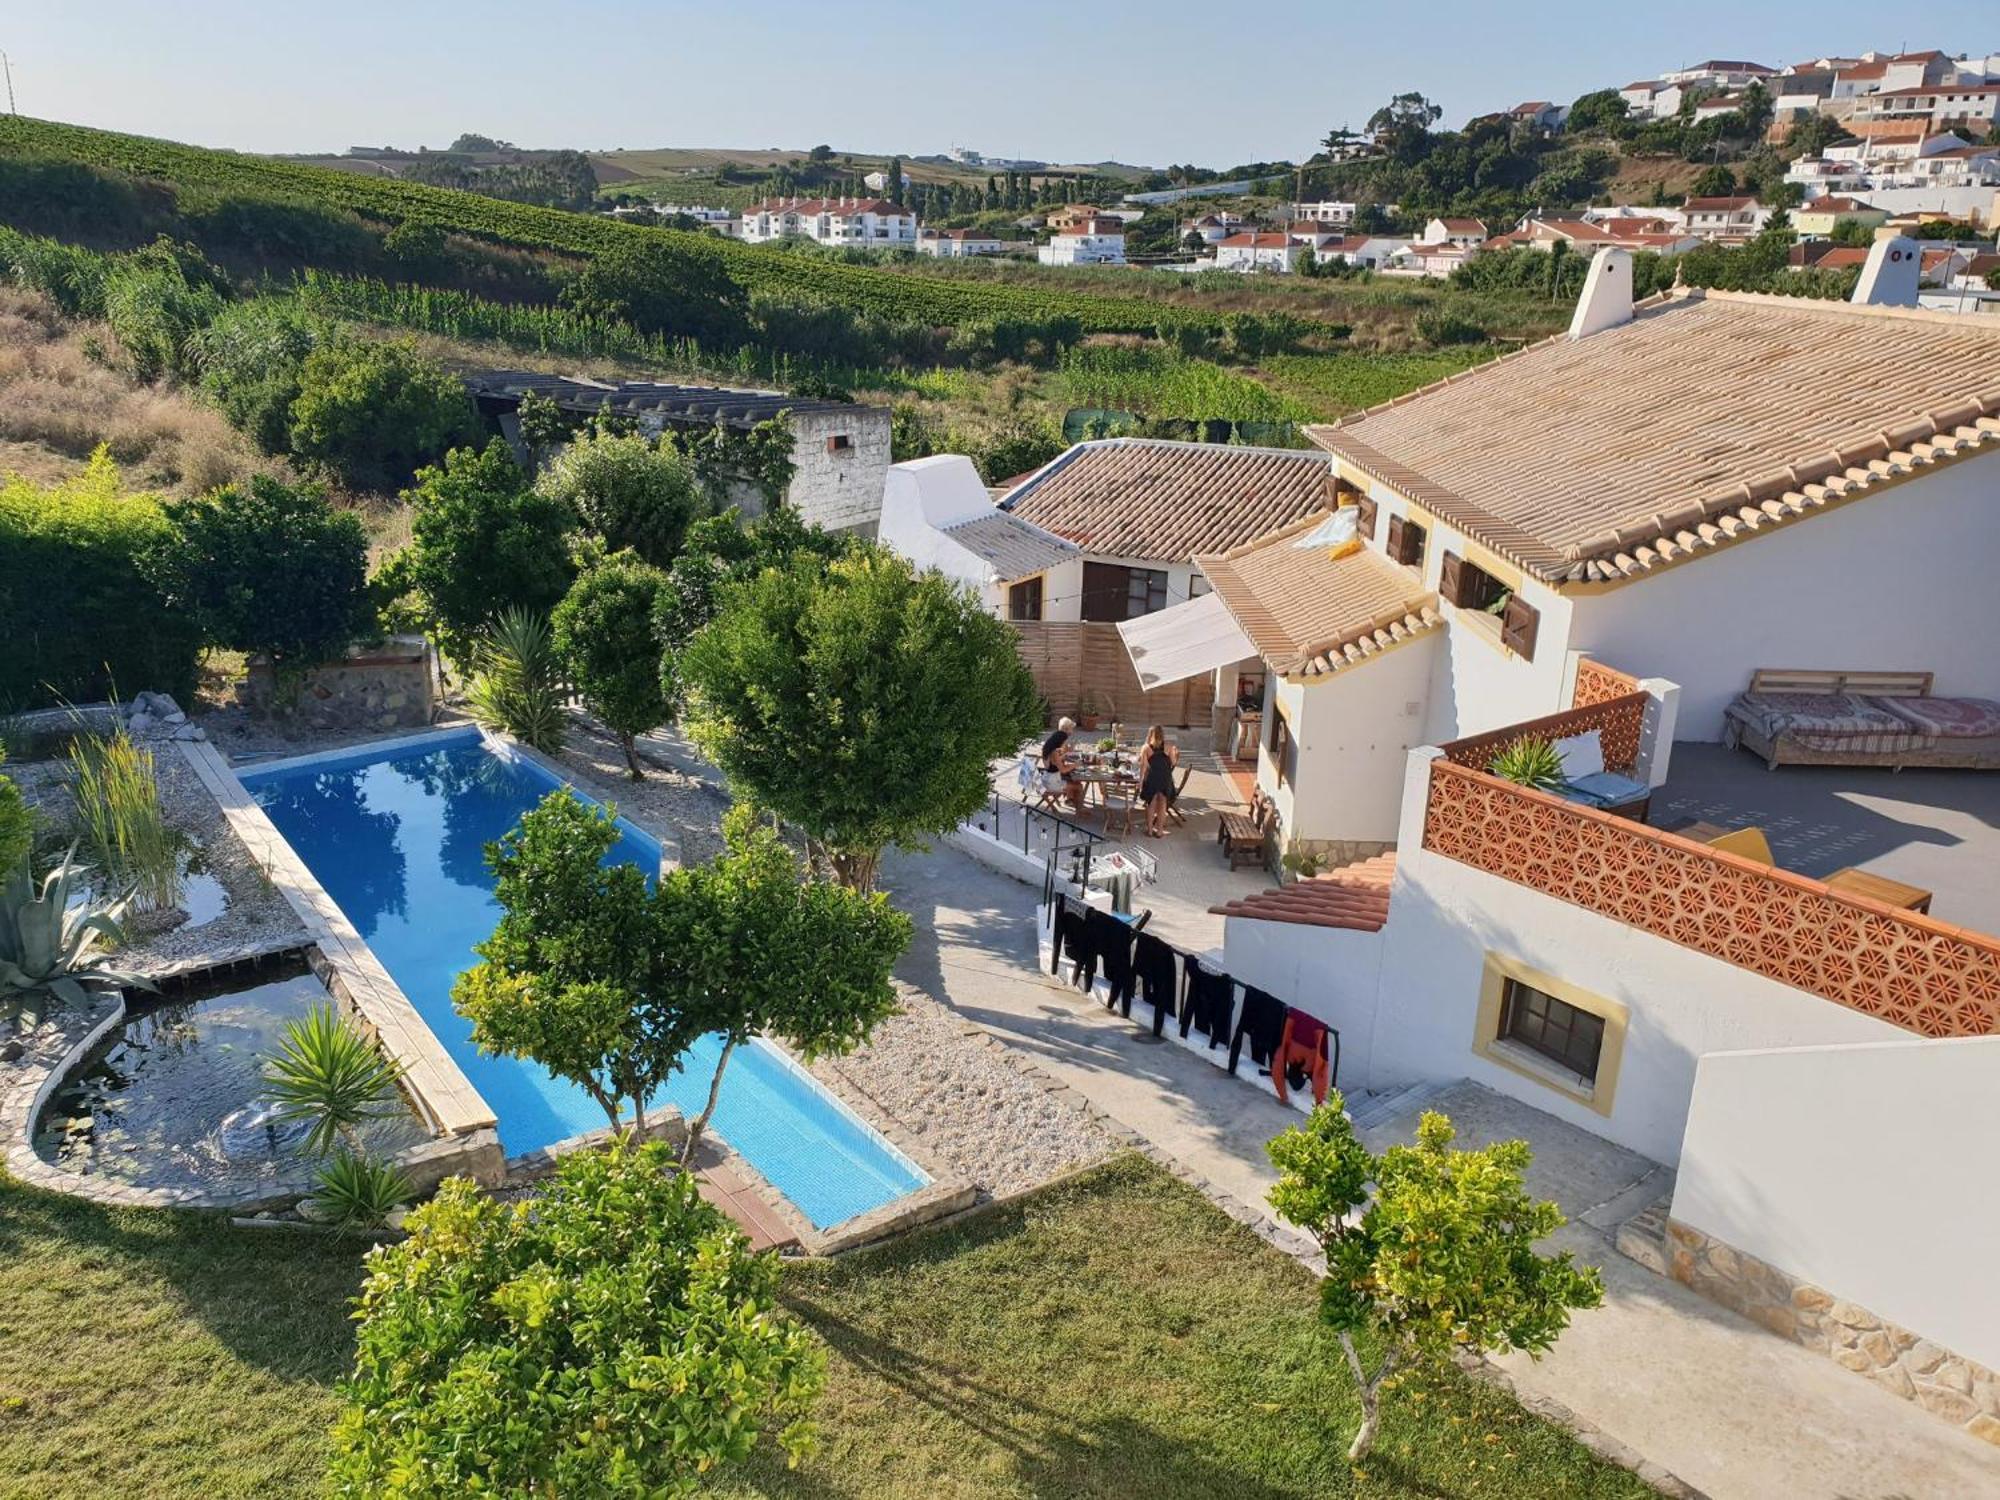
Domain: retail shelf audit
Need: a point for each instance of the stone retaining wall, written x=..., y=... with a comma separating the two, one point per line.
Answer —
x=1960, y=1390
x=375, y=687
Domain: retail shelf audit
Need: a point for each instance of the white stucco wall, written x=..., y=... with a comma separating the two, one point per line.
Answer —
x=920, y=498
x=1354, y=731
x=1328, y=972
x=1866, y=1170
x=1900, y=580
x=1062, y=586
x=1444, y=918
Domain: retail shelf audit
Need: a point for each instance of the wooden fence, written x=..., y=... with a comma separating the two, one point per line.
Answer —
x=1083, y=665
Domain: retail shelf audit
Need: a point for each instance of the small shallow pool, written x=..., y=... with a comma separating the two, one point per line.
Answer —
x=173, y=1099
x=397, y=836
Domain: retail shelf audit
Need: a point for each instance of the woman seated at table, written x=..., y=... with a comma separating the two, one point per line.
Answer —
x=1156, y=780
x=1059, y=765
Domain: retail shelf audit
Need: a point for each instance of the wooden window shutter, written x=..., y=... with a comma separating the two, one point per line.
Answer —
x=1518, y=626
x=1394, y=545
x=1413, y=543
x=1365, y=515
x=1451, y=578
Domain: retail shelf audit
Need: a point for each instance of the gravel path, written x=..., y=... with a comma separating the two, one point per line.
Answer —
x=687, y=805
x=966, y=1100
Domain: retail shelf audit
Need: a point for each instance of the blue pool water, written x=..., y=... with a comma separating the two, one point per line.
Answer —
x=397, y=836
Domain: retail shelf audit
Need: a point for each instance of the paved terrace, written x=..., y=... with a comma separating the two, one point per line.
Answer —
x=1193, y=872
x=1936, y=829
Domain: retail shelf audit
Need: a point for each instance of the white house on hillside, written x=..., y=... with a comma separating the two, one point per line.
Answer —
x=1258, y=250
x=1097, y=240
x=952, y=244
x=1725, y=218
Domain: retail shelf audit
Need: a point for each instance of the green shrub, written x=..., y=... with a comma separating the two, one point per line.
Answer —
x=157, y=301
x=269, y=227
x=620, y=1339
x=516, y=687
x=359, y=1192
x=1438, y=328
x=329, y=1077
x=628, y=491
x=251, y=358
x=483, y=542
x=371, y=414
x=68, y=275
x=604, y=637
x=666, y=285
x=80, y=614
x=267, y=569
x=48, y=195
x=17, y=822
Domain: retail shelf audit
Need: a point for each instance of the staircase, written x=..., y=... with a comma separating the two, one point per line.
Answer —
x=1369, y=1110
x=1643, y=1237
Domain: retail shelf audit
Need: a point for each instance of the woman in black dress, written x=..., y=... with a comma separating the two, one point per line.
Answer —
x=1156, y=780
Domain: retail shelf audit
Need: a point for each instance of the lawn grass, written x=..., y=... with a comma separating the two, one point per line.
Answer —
x=1117, y=1336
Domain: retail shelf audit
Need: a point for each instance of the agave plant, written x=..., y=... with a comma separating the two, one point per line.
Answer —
x=330, y=1076
x=515, y=686
x=53, y=943
x=1529, y=762
x=359, y=1192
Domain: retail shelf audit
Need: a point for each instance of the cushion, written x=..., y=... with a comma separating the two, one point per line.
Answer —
x=1581, y=755
x=1606, y=789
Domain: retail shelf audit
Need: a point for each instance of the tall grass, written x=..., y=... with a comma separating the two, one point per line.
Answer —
x=1162, y=383
x=117, y=800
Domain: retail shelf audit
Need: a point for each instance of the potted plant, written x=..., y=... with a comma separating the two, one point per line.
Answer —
x=1529, y=762
x=1086, y=711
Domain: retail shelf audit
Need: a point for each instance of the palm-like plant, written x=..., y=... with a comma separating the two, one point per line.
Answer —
x=359, y=1192
x=51, y=944
x=515, y=686
x=330, y=1076
x=1529, y=762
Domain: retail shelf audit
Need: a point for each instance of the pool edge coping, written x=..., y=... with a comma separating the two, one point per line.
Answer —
x=441, y=1089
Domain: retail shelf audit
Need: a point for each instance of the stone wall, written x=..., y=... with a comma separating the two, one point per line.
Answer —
x=840, y=464
x=388, y=686
x=1960, y=1390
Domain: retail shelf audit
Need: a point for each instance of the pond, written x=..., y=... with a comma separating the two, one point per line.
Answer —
x=173, y=1099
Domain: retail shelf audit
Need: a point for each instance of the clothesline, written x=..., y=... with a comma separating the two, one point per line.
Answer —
x=1136, y=964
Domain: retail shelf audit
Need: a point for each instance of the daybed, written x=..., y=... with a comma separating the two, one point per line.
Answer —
x=1793, y=718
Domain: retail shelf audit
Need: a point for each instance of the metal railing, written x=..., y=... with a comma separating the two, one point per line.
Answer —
x=1061, y=842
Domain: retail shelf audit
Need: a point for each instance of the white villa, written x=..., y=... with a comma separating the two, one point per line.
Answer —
x=952, y=244
x=1258, y=250
x=868, y=222
x=1095, y=240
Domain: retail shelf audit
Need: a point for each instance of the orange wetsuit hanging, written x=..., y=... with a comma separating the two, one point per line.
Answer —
x=1303, y=1046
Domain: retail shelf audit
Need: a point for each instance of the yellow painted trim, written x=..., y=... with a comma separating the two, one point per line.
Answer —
x=1487, y=1042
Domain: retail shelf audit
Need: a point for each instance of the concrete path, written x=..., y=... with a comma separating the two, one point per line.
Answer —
x=1729, y=1408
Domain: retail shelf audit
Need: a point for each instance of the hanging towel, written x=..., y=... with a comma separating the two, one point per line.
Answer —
x=1210, y=1001
x=1262, y=1021
x=1159, y=969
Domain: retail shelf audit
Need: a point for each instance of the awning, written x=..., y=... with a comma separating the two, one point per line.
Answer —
x=1185, y=640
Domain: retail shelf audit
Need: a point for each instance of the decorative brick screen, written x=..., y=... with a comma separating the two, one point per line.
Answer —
x=1903, y=968
x=1618, y=721
x=1597, y=683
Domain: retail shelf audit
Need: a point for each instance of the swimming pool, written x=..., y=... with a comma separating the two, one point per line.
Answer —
x=397, y=836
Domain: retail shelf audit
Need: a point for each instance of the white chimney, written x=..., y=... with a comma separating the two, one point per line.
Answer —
x=1889, y=279
x=1607, y=294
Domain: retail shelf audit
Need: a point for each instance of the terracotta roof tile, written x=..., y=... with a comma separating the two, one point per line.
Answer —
x=1311, y=614
x=1153, y=500
x=1355, y=897
x=1705, y=416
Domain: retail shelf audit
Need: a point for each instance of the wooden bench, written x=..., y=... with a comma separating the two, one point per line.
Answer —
x=1242, y=835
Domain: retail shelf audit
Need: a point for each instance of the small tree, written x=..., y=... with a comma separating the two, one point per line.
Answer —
x=628, y=491
x=17, y=823
x=678, y=286
x=371, y=414
x=758, y=950
x=614, y=1337
x=266, y=568
x=484, y=542
x=861, y=700
x=604, y=637
x=570, y=977
x=1441, y=1259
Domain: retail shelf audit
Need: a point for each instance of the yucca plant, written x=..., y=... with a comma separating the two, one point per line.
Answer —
x=330, y=1076
x=516, y=685
x=55, y=943
x=116, y=793
x=359, y=1192
x=1529, y=762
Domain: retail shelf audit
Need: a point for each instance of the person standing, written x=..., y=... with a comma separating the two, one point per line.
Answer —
x=1156, y=780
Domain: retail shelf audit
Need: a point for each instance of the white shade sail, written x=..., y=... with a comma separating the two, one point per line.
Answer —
x=1185, y=640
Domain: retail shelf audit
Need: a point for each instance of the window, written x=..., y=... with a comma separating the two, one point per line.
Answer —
x=1469, y=586
x=837, y=443
x=1571, y=1038
x=1405, y=541
x=1024, y=600
x=1284, y=749
x=1113, y=592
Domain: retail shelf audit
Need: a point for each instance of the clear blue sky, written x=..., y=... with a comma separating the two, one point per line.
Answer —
x=1076, y=80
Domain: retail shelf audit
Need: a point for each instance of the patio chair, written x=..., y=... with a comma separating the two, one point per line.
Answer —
x=1121, y=799
x=1174, y=797
x=1035, y=786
